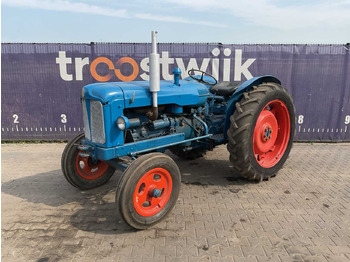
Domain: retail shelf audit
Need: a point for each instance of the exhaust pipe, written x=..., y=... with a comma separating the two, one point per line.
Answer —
x=154, y=77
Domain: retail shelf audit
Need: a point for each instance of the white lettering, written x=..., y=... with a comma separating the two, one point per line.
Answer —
x=62, y=61
x=215, y=63
x=300, y=119
x=215, y=68
x=227, y=65
x=79, y=64
x=347, y=120
x=145, y=67
x=191, y=64
x=63, y=118
x=15, y=119
x=242, y=68
x=215, y=51
x=165, y=61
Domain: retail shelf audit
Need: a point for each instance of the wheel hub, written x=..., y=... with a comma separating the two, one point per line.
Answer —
x=156, y=193
x=152, y=192
x=266, y=131
x=271, y=133
x=89, y=168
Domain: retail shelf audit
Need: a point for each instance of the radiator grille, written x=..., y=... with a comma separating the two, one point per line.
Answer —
x=86, y=121
x=97, y=122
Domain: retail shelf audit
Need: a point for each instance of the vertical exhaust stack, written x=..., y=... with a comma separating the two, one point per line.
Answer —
x=154, y=76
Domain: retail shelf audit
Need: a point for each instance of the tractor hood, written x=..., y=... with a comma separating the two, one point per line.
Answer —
x=137, y=94
x=103, y=92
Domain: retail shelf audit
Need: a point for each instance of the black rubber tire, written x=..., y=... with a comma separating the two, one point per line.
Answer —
x=188, y=155
x=243, y=121
x=64, y=156
x=128, y=183
x=68, y=166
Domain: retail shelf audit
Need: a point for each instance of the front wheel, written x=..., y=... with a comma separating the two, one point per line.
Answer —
x=148, y=190
x=83, y=172
x=261, y=133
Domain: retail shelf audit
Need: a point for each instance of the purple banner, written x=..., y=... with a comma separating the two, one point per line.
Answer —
x=41, y=83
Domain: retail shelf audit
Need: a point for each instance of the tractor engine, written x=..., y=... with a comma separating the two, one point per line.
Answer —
x=191, y=123
x=122, y=113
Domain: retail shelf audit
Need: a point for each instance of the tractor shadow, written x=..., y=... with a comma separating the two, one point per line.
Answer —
x=207, y=172
x=96, y=209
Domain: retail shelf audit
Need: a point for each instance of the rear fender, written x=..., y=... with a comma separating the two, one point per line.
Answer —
x=237, y=95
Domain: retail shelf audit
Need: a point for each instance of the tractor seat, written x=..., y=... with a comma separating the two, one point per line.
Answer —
x=224, y=88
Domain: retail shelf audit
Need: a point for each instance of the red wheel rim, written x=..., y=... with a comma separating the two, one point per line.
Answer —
x=271, y=134
x=146, y=201
x=89, y=170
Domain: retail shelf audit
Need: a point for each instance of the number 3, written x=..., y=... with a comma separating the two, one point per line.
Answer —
x=63, y=118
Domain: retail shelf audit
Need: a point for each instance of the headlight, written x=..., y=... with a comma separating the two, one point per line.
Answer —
x=122, y=123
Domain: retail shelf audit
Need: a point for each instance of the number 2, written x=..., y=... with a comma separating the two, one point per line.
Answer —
x=15, y=119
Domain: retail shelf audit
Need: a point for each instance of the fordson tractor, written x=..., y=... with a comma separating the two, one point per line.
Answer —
x=129, y=125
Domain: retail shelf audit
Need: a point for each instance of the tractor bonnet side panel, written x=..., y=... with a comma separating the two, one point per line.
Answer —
x=137, y=94
x=189, y=93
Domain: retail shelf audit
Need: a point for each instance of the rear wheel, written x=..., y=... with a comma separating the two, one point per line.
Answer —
x=83, y=172
x=148, y=190
x=261, y=133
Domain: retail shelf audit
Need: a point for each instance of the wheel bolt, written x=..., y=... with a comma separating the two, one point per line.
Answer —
x=156, y=193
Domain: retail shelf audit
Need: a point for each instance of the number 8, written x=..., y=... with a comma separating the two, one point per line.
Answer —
x=300, y=119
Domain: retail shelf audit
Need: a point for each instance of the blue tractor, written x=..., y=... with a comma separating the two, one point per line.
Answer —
x=129, y=125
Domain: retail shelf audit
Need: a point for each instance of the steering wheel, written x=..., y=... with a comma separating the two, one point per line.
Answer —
x=201, y=79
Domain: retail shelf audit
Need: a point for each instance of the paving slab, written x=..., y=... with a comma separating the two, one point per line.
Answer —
x=302, y=214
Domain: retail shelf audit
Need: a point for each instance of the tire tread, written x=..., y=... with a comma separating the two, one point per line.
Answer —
x=240, y=128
